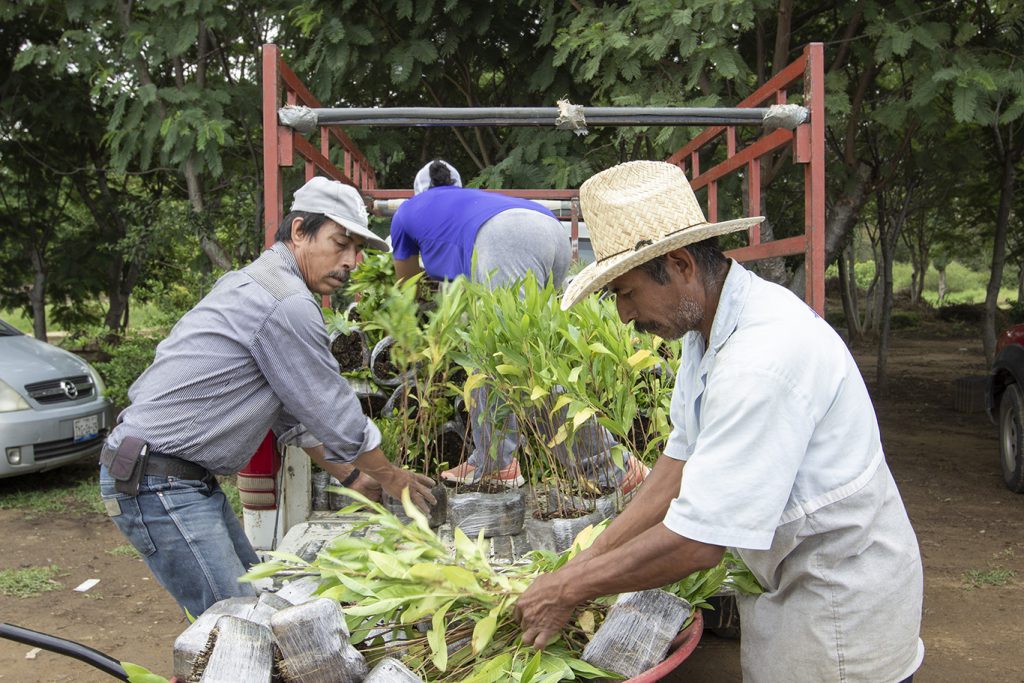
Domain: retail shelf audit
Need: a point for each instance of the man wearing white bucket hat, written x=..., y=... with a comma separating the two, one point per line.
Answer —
x=252, y=356
x=493, y=238
x=775, y=433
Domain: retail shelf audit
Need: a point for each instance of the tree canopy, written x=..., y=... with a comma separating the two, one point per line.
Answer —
x=130, y=131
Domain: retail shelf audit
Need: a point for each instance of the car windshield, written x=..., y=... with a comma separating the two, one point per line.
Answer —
x=7, y=330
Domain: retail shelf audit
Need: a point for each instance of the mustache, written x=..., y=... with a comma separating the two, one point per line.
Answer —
x=339, y=275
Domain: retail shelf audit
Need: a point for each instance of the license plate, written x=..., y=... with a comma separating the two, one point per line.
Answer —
x=87, y=428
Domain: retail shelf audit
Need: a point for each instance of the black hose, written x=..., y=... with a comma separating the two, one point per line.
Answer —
x=68, y=648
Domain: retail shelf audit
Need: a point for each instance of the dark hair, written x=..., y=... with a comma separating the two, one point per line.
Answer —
x=311, y=223
x=440, y=174
x=708, y=255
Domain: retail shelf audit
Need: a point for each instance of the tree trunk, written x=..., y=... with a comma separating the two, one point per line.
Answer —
x=37, y=295
x=1006, y=192
x=942, y=284
x=214, y=251
x=848, y=287
x=841, y=220
x=889, y=228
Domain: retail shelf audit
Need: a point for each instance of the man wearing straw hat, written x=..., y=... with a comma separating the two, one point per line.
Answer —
x=776, y=435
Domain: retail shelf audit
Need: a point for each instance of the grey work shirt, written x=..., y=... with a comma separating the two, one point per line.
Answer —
x=253, y=355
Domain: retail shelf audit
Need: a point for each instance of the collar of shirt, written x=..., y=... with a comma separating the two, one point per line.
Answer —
x=730, y=306
x=287, y=258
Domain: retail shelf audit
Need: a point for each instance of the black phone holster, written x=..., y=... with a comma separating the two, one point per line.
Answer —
x=128, y=465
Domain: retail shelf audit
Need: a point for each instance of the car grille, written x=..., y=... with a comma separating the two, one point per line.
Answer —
x=53, y=391
x=56, y=449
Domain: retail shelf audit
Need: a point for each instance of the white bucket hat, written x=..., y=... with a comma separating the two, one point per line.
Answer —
x=341, y=203
x=422, y=181
x=635, y=212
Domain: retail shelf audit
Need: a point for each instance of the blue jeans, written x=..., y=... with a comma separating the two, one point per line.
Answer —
x=188, y=535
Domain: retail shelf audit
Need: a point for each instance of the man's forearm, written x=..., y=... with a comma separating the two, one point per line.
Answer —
x=652, y=559
x=646, y=510
x=338, y=470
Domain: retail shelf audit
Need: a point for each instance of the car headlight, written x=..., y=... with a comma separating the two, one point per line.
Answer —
x=11, y=400
x=97, y=382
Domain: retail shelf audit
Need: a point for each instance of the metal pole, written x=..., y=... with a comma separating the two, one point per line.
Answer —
x=535, y=116
x=306, y=119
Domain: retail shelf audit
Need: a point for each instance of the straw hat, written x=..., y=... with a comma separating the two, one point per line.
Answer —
x=635, y=212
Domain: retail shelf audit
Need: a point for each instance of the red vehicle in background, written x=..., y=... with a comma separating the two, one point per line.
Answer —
x=1005, y=398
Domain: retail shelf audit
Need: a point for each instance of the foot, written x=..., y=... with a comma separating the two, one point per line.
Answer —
x=510, y=477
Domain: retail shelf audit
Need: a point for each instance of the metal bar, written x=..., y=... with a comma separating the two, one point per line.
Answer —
x=546, y=122
x=272, y=178
x=814, y=176
x=784, y=247
x=312, y=155
x=564, y=195
x=754, y=192
x=771, y=87
x=574, y=227
x=545, y=115
x=713, y=201
x=768, y=143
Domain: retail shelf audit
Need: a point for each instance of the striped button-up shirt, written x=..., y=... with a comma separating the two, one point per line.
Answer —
x=253, y=355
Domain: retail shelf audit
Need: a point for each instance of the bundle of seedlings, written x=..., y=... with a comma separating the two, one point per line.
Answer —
x=446, y=612
x=576, y=383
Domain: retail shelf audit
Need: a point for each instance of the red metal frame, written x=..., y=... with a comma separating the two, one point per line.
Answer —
x=281, y=145
x=808, y=141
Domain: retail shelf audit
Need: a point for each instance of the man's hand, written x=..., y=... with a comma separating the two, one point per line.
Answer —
x=394, y=480
x=543, y=610
x=419, y=487
x=368, y=486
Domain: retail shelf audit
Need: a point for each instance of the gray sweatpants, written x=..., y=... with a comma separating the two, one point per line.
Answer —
x=508, y=246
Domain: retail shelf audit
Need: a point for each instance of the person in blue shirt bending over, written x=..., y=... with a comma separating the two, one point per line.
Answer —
x=441, y=230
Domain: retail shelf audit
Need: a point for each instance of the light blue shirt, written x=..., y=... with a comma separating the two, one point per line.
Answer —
x=784, y=463
x=250, y=357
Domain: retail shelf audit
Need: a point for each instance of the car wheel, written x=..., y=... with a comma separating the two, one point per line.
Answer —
x=1011, y=437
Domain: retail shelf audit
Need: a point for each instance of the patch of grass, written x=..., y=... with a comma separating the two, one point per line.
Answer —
x=28, y=582
x=998, y=576
x=126, y=550
x=227, y=484
x=63, y=490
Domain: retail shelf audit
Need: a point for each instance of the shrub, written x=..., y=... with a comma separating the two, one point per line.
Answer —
x=129, y=357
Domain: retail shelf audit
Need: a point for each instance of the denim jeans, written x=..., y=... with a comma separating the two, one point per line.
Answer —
x=188, y=535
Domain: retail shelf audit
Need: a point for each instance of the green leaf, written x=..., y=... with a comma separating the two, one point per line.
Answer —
x=373, y=609
x=288, y=557
x=139, y=674
x=388, y=565
x=484, y=631
x=460, y=577
x=581, y=416
x=491, y=670
x=531, y=668
x=509, y=370
x=436, y=638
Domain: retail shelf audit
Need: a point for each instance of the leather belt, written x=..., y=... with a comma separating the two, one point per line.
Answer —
x=160, y=465
x=169, y=466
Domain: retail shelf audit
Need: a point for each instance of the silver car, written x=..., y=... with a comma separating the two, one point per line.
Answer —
x=52, y=409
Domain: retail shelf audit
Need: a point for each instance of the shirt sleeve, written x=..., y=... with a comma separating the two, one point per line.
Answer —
x=755, y=430
x=291, y=350
x=678, y=445
x=403, y=245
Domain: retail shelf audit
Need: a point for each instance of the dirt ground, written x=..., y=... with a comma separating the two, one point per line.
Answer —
x=945, y=463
